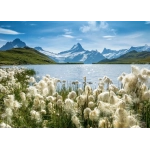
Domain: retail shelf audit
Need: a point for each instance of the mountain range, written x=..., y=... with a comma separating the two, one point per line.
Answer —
x=77, y=53
x=133, y=56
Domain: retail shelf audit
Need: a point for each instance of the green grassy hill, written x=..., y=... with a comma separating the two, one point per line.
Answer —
x=129, y=58
x=18, y=56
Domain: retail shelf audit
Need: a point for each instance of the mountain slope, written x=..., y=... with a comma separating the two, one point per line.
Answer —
x=26, y=55
x=130, y=57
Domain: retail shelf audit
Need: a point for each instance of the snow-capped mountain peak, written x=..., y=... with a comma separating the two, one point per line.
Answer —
x=14, y=44
x=77, y=47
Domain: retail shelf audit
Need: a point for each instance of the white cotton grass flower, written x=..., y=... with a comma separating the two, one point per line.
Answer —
x=81, y=100
x=4, y=125
x=94, y=114
x=36, y=103
x=91, y=98
x=80, y=91
x=9, y=112
x=44, y=124
x=120, y=120
x=120, y=78
x=32, y=80
x=42, y=104
x=46, y=78
x=86, y=113
x=45, y=91
x=103, y=123
x=105, y=108
x=23, y=96
x=39, y=97
x=131, y=121
x=129, y=82
x=101, y=87
x=29, y=96
x=16, y=105
x=50, y=98
x=51, y=87
x=127, y=99
x=72, y=95
x=55, y=94
x=91, y=105
x=146, y=95
x=105, y=96
x=75, y=120
x=88, y=90
x=96, y=92
x=145, y=71
x=32, y=90
x=43, y=111
x=50, y=107
x=107, y=80
x=59, y=103
x=9, y=101
x=113, y=99
x=144, y=88
x=35, y=115
x=143, y=78
x=42, y=84
x=8, y=115
x=69, y=104
x=121, y=104
x=135, y=70
x=113, y=88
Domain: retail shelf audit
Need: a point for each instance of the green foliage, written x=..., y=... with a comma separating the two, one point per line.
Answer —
x=18, y=56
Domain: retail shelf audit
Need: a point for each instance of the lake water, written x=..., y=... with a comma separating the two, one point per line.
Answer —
x=76, y=72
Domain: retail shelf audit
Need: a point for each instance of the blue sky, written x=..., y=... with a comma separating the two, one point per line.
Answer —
x=56, y=36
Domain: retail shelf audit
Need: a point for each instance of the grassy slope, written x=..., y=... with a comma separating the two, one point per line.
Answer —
x=131, y=57
x=18, y=56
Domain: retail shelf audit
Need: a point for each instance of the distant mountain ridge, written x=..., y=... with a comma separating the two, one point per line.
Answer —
x=77, y=53
x=129, y=58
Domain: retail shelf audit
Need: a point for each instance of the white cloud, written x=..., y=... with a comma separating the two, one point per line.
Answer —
x=79, y=39
x=94, y=26
x=8, y=31
x=68, y=36
x=67, y=31
x=103, y=25
x=147, y=22
x=84, y=29
x=108, y=36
